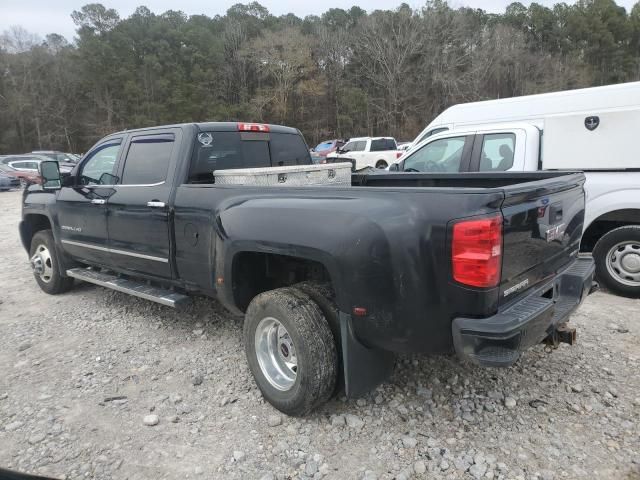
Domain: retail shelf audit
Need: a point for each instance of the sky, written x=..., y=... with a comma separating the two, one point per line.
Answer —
x=53, y=16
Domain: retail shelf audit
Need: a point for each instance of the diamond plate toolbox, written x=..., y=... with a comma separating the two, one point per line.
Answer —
x=336, y=174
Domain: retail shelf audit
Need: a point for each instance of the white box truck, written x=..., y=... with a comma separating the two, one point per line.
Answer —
x=591, y=129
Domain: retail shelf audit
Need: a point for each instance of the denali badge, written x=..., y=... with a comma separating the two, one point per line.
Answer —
x=516, y=287
x=555, y=233
x=71, y=229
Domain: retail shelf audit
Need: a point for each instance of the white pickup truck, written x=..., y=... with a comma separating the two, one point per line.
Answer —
x=363, y=152
x=593, y=130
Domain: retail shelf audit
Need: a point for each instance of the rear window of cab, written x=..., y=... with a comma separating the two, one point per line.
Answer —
x=229, y=150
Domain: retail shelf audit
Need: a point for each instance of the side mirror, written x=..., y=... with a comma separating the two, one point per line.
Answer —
x=50, y=173
x=394, y=167
x=108, y=179
x=69, y=181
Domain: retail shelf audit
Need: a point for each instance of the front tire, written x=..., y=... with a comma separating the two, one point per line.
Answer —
x=290, y=350
x=617, y=259
x=46, y=265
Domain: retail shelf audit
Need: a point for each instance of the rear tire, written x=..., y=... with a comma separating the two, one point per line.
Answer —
x=324, y=296
x=46, y=265
x=617, y=259
x=381, y=164
x=290, y=350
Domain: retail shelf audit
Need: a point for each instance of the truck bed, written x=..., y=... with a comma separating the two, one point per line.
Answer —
x=456, y=180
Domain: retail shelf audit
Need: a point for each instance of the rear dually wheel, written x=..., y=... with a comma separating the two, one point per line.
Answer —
x=290, y=350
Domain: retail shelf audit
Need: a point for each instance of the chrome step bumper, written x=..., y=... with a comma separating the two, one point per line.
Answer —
x=132, y=287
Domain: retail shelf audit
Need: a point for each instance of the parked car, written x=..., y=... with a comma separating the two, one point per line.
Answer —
x=320, y=152
x=7, y=182
x=22, y=158
x=31, y=162
x=327, y=277
x=590, y=129
x=24, y=177
x=58, y=156
x=363, y=152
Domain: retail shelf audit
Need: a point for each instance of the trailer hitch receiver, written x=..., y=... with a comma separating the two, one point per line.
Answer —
x=561, y=334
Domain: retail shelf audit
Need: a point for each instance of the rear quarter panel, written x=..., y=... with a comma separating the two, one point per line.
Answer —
x=385, y=250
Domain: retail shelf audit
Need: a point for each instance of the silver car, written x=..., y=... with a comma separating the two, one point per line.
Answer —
x=8, y=182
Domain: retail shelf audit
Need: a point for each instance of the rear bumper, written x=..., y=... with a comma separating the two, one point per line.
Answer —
x=499, y=340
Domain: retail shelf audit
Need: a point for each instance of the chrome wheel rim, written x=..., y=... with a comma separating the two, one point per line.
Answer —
x=42, y=264
x=276, y=354
x=623, y=263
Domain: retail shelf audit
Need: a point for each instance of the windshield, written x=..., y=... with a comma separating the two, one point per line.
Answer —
x=324, y=146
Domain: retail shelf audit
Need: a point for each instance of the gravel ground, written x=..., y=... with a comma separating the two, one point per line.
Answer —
x=96, y=384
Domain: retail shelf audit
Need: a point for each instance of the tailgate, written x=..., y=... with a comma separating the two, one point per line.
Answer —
x=542, y=229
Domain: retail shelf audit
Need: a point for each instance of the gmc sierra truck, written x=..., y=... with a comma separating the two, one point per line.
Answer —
x=332, y=278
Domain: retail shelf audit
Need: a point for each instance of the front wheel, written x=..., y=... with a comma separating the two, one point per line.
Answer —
x=46, y=266
x=290, y=350
x=617, y=258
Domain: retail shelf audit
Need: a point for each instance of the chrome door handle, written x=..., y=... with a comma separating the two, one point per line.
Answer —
x=155, y=204
x=98, y=201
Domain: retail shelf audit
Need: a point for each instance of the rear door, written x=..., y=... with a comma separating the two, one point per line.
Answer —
x=139, y=207
x=383, y=152
x=500, y=150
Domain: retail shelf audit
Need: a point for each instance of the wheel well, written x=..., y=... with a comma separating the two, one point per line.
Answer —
x=32, y=224
x=256, y=272
x=607, y=222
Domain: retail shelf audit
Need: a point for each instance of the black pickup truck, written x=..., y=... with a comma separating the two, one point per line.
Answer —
x=332, y=281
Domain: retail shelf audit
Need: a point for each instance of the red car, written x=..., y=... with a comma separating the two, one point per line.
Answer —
x=319, y=154
x=26, y=178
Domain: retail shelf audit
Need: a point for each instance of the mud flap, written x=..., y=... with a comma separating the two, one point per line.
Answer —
x=364, y=368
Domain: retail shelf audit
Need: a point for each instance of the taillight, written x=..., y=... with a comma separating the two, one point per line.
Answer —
x=253, y=127
x=399, y=154
x=476, y=251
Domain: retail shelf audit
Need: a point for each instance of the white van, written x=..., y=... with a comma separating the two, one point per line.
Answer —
x=589, y=129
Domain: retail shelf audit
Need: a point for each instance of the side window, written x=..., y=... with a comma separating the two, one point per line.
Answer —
x=349, y=146
x=435, y=131
x=383, y=144
x=444, y=155
x=100, y=162
x=497, y=152
x=360, y=146
x=148, y=160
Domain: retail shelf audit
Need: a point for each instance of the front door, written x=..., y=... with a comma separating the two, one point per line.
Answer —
x=138, y=209
x=82, y=208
